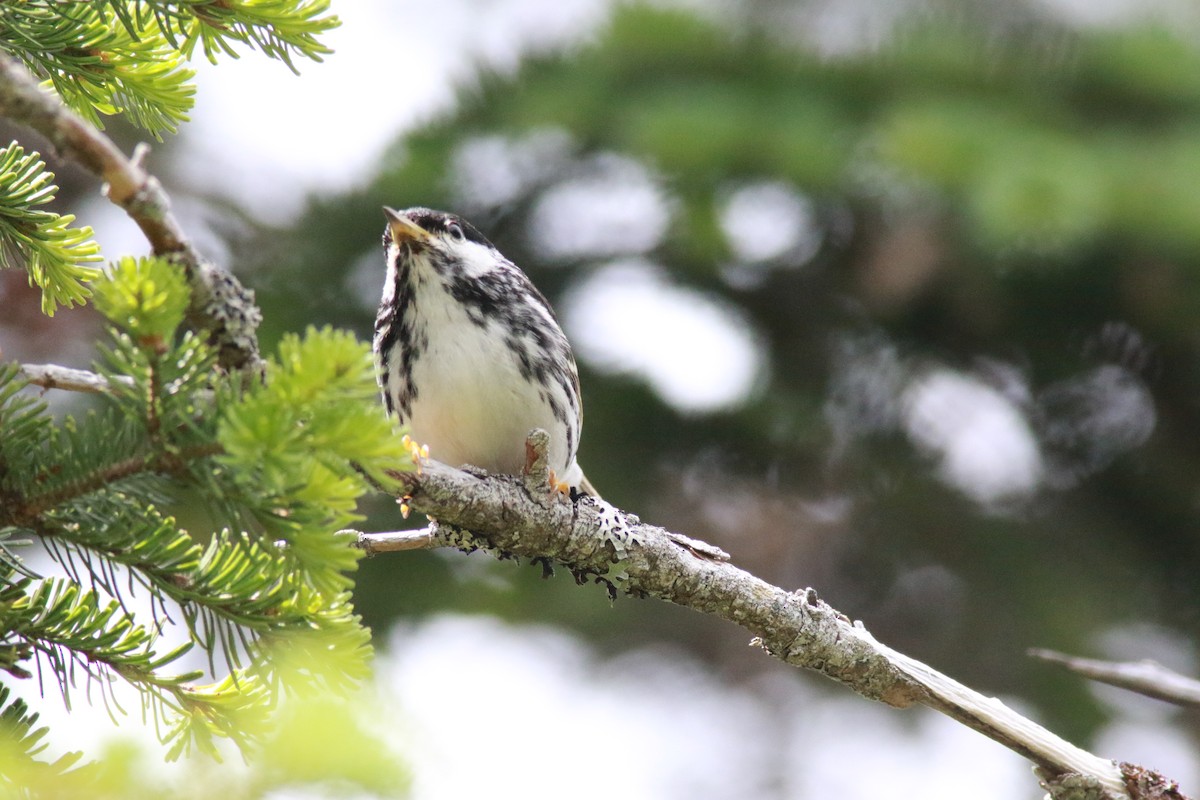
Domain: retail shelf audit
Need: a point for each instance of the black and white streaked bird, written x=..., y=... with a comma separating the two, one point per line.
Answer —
x=469, y=353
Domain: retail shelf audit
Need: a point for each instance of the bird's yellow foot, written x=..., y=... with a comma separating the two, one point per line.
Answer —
x=415, y=451
x=562, y=487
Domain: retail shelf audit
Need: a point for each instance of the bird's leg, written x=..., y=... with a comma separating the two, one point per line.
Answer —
x=417, y=452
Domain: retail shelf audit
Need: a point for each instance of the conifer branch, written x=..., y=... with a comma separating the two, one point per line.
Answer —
x=280, y=29
x=220, y=304
x=68, y=626
x=281, y=480
x=595, y=541
x=59, y=258
x=99, y=66
x=270, y=577
x=30, y=508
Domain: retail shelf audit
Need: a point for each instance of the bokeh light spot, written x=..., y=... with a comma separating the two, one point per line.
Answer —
x=697, y=353
x=614, y=206
x=982, y=440
x=770, y=220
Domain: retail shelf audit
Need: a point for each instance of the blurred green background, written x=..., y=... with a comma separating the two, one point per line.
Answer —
x=901, y=307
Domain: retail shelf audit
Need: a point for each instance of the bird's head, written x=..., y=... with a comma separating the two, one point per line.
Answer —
x=446, y=242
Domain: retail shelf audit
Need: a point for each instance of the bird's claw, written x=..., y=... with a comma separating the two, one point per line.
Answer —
x=417, y=452
x=562, y=487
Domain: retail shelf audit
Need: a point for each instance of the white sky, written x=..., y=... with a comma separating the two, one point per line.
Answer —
x=394, y=65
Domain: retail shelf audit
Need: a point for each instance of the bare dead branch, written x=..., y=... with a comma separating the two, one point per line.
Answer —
x=1144, y=677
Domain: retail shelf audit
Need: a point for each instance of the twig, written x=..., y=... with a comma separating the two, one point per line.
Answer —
x=395, y=541
x=52, y=376
x=220, y=304
x=504, y=514
x=1144, y=677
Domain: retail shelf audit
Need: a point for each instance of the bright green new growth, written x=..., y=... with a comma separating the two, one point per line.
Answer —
x=127, y=57
x=56, y=255
x=279, y=28
x=144, y=297
x=98, y=66
x=308, y=435
x=280, y=467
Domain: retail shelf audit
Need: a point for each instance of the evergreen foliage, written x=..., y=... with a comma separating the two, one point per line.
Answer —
x=256, y=581
x=128, y=58
x=57, y=256
x=280, y=467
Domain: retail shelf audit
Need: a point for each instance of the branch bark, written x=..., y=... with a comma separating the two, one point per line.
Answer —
x=220, y=304
x=506, y=515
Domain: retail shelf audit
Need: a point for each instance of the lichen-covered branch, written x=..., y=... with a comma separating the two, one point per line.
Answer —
x=1144, y=677
x=595, y=540
x=220, y=304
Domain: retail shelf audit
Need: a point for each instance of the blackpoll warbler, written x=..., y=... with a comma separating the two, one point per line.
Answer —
x=469, y=353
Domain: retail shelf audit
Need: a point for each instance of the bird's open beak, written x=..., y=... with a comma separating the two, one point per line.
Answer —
x=403, y=229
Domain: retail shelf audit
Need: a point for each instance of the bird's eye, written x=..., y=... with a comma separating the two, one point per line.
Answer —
x=455, y=230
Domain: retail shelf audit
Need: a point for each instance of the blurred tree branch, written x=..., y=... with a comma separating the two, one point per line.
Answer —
x=515, y=516
x=1144, y=677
